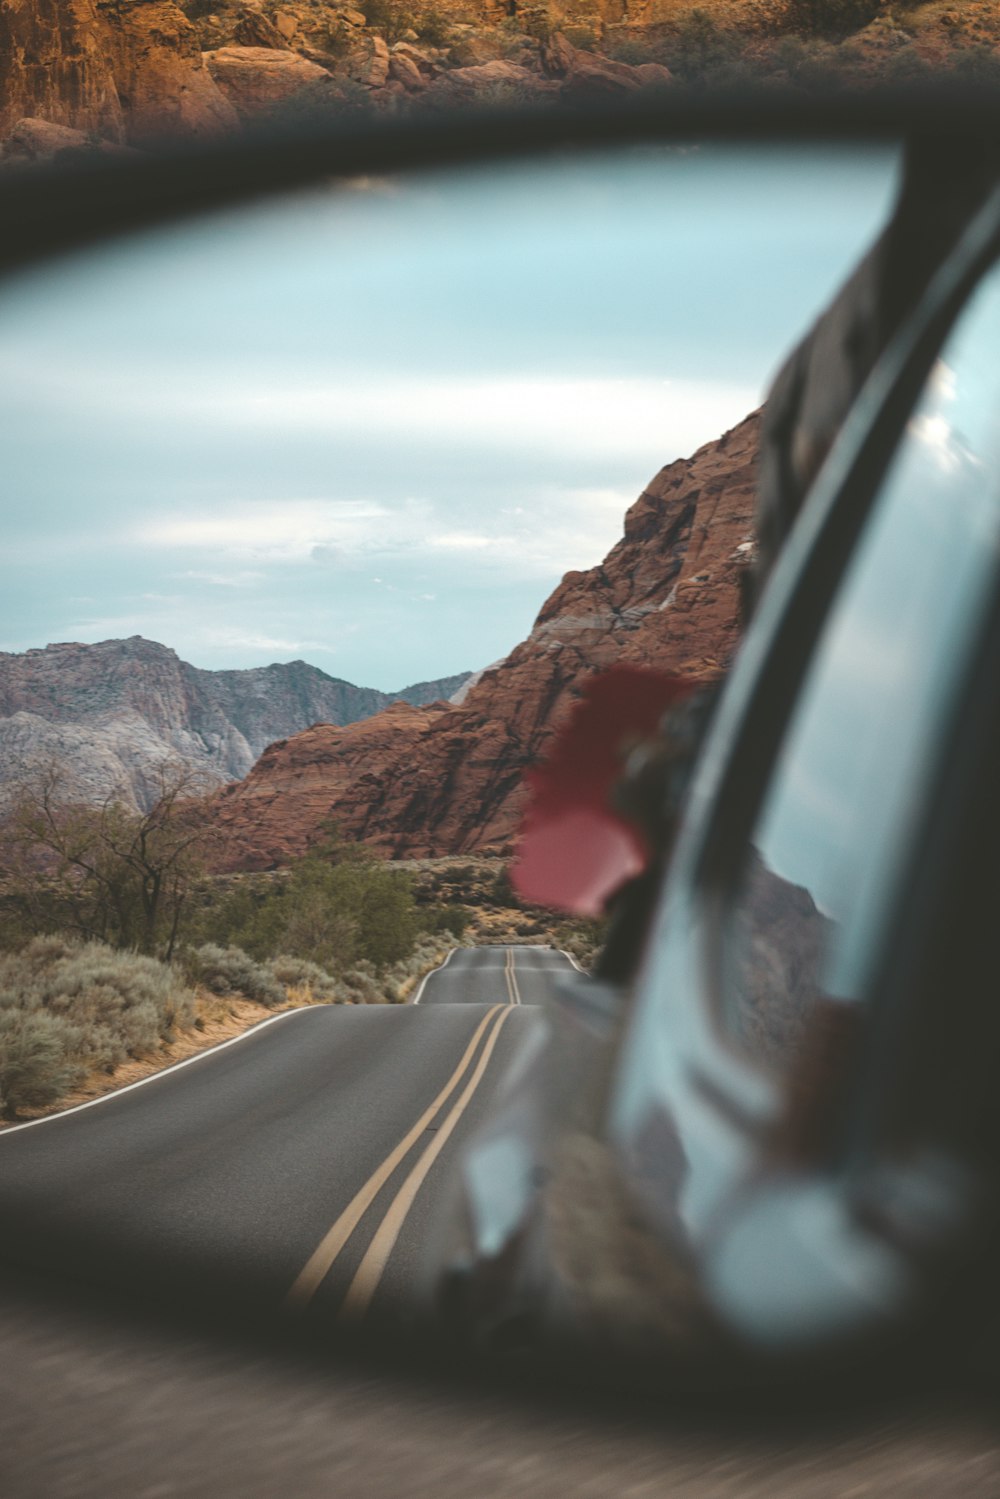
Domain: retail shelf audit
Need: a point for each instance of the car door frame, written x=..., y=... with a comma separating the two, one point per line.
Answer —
x=693, y=1119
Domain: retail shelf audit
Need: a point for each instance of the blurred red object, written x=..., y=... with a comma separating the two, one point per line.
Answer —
x=576, y=849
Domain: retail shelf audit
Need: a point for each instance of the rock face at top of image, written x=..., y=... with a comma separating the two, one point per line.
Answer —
x=135, y=70
x=54, y=66
x=118, y=69
x=446, y=779
x=118, y=716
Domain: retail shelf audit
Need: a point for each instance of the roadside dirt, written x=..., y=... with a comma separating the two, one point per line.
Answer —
x=218, y=1019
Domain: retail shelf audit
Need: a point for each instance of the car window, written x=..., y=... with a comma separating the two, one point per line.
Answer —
x=838, y=821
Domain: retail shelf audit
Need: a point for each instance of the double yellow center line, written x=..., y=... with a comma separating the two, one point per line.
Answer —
x=369, y=1272
x=512, y=989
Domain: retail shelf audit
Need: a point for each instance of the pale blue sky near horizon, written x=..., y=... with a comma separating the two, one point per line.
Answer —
x=371, y=428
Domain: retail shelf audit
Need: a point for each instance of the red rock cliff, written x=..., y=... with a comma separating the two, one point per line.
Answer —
x=120, y=69
x=419, y=782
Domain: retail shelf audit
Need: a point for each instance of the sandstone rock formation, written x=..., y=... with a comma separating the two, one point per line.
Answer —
x=119, y=69
x=256, y=79
x=161, y=79
x=33, y=140
x=586, y=76
x=118, y=716
x=54, y=67
x=133, y=69
x=142, y=70
x=491, y=79
x=447, y=779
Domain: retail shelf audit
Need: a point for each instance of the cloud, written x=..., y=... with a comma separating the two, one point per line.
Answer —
x=583, y=417
x=252, y=640
x=279, y=531
x=561, y=528
x=465, y=541
x=244, y=579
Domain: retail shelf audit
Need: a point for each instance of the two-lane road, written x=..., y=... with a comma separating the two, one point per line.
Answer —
x=521, y=975
x=302, y=1165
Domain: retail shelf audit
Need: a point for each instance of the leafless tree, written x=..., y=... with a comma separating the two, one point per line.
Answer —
x=107, y=872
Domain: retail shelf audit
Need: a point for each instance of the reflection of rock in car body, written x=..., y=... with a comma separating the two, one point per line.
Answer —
x=779, y=947
x=804, y=1158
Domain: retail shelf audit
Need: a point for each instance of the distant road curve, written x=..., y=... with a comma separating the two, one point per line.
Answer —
x=304, y=1167
x=521, y=974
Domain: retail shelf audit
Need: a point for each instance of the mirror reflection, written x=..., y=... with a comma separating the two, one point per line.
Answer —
x=314, y=534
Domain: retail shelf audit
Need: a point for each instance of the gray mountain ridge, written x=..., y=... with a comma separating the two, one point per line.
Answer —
x=117, y=717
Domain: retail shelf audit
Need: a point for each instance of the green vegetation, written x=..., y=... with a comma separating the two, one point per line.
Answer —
x=703, y=50
x=106, y=873
x=828, y=18
x=68, y=1008
x=479, y=894
x=338, y=906
x=112, y=937
x=394, y=19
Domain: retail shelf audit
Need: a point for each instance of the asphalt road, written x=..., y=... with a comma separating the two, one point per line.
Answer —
x=301, y=1167
x=481, y=975
x=230, y=1173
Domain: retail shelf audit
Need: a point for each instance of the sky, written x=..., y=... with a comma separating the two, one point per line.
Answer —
x=371, y=426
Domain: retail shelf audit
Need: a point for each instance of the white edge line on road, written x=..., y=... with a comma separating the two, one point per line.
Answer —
x=13, y=1129
x=572, y=960
x=417, y=997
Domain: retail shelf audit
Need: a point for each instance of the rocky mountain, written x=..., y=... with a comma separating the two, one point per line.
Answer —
x=136, y=71
x=133, y=71
x=113, y=69
x=118, y=716
x=446, y=778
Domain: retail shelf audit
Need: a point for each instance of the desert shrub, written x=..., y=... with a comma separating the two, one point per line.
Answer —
x=229, y=970
x=390, y=18
x=501, y=891
x=453, y=919
x=396, y=982
x=361, y=984
x=582, y=34
x=702, y=49
x=67, y=1008
x=37, y=1065
x=432, y=27
x=139, y=998
x=812, y=65
x=830, y=18
x=336, y=39
x=41, y=952
x=233, y=914
x=582, y=937
x=335, y=907
x=309, y=978
x=122, y=1004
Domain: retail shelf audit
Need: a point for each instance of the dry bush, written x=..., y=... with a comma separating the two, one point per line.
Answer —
x=229, y=970
x=825, y=18
x=37, y=1065
x=67, y=1008
x=362, y=986
x=305, y=981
